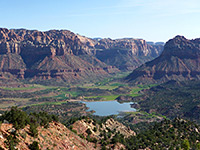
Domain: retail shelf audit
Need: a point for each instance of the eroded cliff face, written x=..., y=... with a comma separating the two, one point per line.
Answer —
x=137, y=47
x=38, y=44
x=63, y=55
x=46, y=55
x=180, y=60
x=126, y=54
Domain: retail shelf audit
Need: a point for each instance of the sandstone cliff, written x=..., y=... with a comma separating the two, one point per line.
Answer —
x=180, y=60
x=58, y=54
x=63, y=55
x=126, y=54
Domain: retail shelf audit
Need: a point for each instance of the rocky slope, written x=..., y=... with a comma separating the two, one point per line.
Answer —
x=106, y=133
x=180, y=60
x=21, y=130
x=61, y=54
x=82, y=125
x=57, y=136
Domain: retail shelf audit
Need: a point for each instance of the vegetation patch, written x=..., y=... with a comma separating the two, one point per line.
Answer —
x=173, y=99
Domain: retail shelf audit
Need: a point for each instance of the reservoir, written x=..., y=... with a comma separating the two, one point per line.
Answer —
x=106, y=108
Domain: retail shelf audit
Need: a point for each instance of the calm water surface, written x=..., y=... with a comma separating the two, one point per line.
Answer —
x=106, y=108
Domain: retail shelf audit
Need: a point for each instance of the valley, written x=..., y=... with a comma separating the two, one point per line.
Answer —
x=24, y=94
x=100, y=75
x=100, y=102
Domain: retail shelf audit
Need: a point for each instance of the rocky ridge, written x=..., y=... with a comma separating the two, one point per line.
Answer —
x=180, y=60
x=107, y=131
x=57, y=136
x=82, y=125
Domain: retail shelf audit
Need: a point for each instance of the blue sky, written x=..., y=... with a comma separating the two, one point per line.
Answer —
x=152, y=20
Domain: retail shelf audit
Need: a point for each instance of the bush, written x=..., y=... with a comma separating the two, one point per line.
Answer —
x=88, y=131
x=95, y=129
x=1, y=148
x=33, y=130
x=12, y=141
x=34, y=146
x=186, y=144
x=17, y=117
x=20, y=119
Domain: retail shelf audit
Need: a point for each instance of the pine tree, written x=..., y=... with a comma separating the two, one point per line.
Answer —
x=186, y=144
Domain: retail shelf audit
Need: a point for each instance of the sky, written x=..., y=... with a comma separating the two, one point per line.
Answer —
x=152, y=20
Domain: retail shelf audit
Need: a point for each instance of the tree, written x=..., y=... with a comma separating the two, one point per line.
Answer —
x=88, y=131
x=198, y=146
x=17, y=117
x=186, y=144
x=12, y=141
x=33, y=130
x=95, y=129
x=34, y=146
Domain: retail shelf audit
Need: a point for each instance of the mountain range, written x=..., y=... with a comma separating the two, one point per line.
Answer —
x=63, y=55
x=180, y=60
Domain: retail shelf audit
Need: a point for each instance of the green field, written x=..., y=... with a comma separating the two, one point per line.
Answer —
x=133, y=93
x=49, y=103
x=42, y=95
x=36, y=94
x=103, y=98
x=18, y=88
x=29, y=87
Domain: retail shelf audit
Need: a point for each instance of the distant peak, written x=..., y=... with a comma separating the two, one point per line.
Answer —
x=177, y=41
x=180, y=37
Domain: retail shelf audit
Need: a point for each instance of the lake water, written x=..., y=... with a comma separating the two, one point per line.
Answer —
x=106, y=108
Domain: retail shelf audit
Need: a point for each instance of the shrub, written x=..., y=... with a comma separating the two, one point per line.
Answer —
x=17, y=117
x=33, y=130
x=34, y=146
x=95, y=129
x=11, y=141
x=1, y=148
x=88, y=131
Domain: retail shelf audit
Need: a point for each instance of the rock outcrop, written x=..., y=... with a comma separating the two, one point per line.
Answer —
x=81, y=126
x=56, y=136
x=180, y=60
x=107, y=130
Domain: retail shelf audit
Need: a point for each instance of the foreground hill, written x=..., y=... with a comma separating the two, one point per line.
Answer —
x=180, y=60
x=37, y=131
x=63, y=55
x=56, y=136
